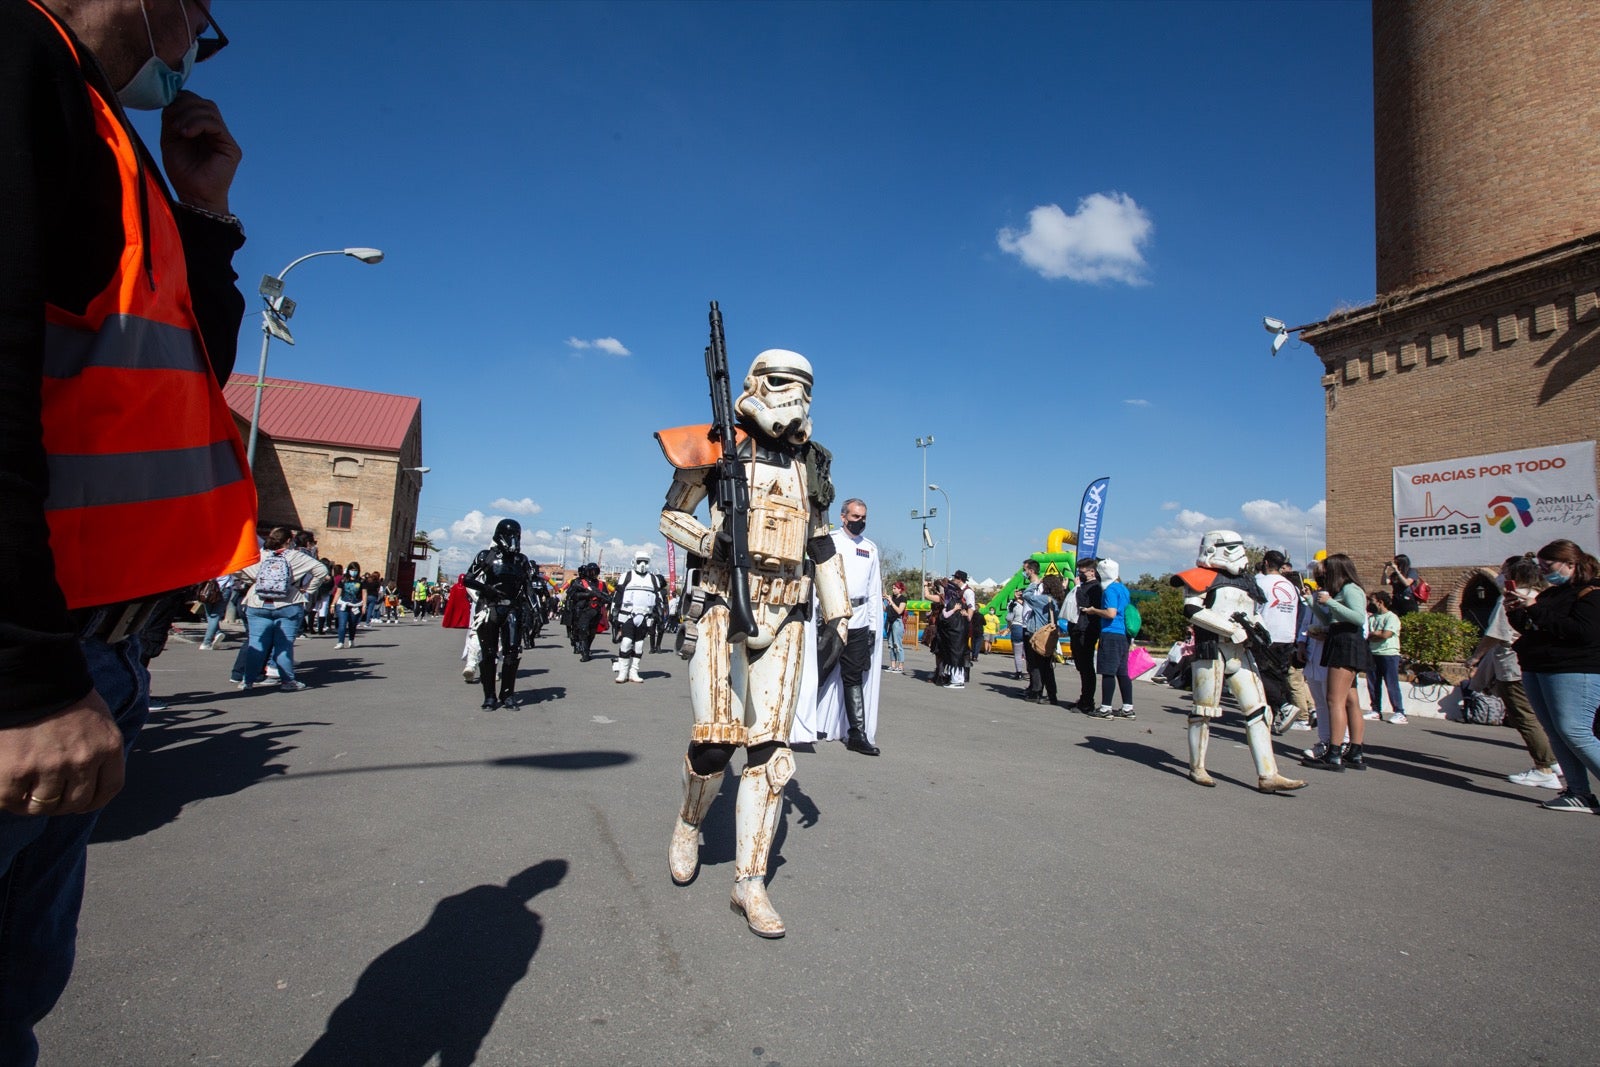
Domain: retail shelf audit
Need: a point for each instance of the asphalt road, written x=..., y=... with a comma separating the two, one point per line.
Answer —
x=375, y=871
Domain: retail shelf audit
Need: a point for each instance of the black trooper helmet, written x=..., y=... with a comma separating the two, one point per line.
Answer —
x=508, y=535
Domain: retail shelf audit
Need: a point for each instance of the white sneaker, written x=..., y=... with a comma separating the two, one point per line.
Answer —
x=1301, y=724
x=1372, y=716
x=1536, y=777
x=1398, y=719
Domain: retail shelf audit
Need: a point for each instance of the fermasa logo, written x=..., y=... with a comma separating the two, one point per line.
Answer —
x=1505, y=511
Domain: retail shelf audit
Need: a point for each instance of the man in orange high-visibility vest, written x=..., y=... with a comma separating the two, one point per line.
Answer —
x=122, y=477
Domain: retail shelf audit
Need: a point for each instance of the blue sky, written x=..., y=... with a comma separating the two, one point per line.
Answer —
x=1044, y=233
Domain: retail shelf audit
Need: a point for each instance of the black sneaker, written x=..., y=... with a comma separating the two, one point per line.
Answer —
x=1579, y=802
x=1100, y=713
x=1124, y=712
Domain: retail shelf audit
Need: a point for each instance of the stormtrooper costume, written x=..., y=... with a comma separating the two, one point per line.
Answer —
x=500, y=575
x=634, y=608
x=1221, y=599
x=745, y=691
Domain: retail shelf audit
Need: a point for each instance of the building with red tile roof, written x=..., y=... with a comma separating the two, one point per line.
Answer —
x=339, y=462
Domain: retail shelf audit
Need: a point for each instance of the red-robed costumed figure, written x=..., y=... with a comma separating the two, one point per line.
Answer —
x=458, y=609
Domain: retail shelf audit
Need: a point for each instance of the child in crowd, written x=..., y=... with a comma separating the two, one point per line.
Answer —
x=1383, y=637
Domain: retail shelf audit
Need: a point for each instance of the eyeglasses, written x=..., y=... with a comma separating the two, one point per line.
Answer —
x=209, y=46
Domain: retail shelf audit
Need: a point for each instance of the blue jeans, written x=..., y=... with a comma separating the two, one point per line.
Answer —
x=1387, y=673
x=1566, y=705
x=348, y=616
x=897, y=635
x=42, y=862
x=272, y=634
x=213, y=620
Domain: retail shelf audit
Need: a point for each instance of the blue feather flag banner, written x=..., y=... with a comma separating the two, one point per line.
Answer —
x=1091, y=515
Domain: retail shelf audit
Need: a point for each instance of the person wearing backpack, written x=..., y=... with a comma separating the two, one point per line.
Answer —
x=281, y=584
x=1407, y=591
x=1111, y=652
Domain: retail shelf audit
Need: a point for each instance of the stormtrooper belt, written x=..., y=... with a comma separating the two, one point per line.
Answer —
x=780, y=590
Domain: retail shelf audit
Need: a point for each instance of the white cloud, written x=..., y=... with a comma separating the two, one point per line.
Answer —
x=1170, y=505
x=1101, y=241
x=525, y=506
x=1171, y=547
x=609, y=345
x=1137, y=403
x=467, y=536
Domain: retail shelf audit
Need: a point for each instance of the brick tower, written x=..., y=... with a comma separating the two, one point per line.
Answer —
x=1486, y=333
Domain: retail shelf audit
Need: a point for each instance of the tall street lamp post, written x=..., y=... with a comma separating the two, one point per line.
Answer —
x=564, y=531
x=924, y=515
x=948, y=513
x=275, y=322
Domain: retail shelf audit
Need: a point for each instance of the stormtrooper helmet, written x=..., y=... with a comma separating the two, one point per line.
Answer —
x=777, y=395
x=508, y=535
x=641, y=562
x=1223, y=550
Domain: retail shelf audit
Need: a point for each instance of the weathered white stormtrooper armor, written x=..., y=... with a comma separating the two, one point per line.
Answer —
x=1221, y=600
x=634, y=607
x=744, y=691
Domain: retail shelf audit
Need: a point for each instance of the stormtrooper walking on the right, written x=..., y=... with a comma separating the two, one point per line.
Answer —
x=634, y=607
x=1221, y=600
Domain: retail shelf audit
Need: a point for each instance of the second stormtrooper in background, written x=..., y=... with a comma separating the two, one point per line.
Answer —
x=635, y=606
x=1220, y=599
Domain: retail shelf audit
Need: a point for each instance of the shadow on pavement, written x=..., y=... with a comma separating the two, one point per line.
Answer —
x=588, y=760
x=1149, y=755
x=1513, y=742
x=438, y=992
x=184, y=756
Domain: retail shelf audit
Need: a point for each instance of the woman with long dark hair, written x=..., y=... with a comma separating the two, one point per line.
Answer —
x=1559, y=652
x=1043, y=608
x=1345, y=654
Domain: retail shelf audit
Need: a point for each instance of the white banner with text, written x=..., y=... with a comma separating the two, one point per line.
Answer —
x=1478, y=510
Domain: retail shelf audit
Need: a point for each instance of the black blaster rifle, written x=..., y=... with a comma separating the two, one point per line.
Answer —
x=1257, y=637
x=731, y=493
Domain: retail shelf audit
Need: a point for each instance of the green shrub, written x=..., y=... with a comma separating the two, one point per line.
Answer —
x=1163, y=617
x=1428, y=639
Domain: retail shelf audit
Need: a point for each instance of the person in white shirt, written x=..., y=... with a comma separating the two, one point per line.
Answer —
x=854, y=683
x=275, y=607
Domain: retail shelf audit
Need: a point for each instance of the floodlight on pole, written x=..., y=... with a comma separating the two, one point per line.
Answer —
x=1280, y=332
x=275, y=323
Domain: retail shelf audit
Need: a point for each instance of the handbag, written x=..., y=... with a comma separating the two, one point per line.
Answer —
x=210, y=593
x=1043, y=640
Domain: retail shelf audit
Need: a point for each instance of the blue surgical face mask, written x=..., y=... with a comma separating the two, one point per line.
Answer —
x=1557, y=578
x=157, y=85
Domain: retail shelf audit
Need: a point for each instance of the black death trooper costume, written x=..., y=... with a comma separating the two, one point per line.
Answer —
x=635, y=607
x=501, y=574
x=744, y=692
x=1221, y=598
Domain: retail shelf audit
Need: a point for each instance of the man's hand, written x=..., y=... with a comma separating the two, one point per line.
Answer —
x=198, y=153
x=62, y=764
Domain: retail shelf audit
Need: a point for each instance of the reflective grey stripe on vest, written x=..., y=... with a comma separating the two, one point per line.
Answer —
x=123, y=341
x=138, y=477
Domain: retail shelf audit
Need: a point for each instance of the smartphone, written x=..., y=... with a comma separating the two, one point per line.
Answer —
x=1511, y=585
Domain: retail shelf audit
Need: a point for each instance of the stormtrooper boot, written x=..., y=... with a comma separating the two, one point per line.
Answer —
x=619, y=667
x=633, y=669
x=1199, y=738
x=699, y=790
x=508, y=690
x=1259, y=734
x=855, y=709
x=756, y=819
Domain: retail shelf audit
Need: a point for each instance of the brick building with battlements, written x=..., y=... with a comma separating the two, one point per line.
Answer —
x=1485, y=336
